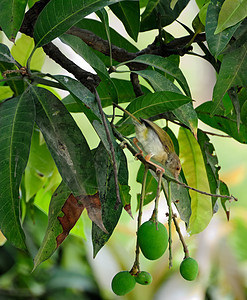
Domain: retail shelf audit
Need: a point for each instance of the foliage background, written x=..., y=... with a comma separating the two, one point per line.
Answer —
x=71, y=273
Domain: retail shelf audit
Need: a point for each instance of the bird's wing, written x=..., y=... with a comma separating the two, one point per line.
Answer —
x=163, y=135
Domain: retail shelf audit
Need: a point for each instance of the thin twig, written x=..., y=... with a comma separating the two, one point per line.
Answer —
x=108, y=135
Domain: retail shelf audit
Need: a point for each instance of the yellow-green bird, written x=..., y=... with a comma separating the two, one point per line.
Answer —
x=156, y=143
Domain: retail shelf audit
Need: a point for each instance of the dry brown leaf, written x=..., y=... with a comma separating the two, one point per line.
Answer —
x=72, y=210
x=93, y=206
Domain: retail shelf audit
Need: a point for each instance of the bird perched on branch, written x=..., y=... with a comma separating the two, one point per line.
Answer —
x=156, y=143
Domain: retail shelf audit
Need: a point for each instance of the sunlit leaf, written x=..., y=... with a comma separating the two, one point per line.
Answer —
x=232, y=12
x=16, y=121
x=196, y=176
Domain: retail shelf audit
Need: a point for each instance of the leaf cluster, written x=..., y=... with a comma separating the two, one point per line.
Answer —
x=40, y=140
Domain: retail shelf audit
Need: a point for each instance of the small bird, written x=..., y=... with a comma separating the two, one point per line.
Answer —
x=156, y=143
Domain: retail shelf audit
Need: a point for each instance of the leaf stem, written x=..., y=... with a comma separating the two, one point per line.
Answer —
x=154, y=216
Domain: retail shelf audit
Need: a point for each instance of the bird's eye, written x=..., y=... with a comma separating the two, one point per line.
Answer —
x=178, y=168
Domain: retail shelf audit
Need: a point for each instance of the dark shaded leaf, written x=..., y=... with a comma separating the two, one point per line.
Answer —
x=124, y=90
x=50, y=25
x=54, y=228
x=158, y=81
x=160, y=14
x=86, y=52
x=91, y=110
x=107, y=194
x=17, y=86
x=66, y=143
x=11, y=16
x=5, y=55
x=211, y=163
x=233, y=72
x=226, y=123
x=217, y=42
x=167, y=66
x=150, y=105
x=16, y=123
x=224, y=191
x=129, y=13
x=151, y=186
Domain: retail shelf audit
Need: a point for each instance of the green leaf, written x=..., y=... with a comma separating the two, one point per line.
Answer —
x=116, y=39
x=5, y=55
x=151, y=186
x=17, y=86
x=16, y=123
x=196, y=177
x=224, y=191
x=187, y=115
x=232, y=12
x=86, y=52
x=158, y=81
x=66, y=143
x=162, y=8
x=40, y=166
x=211, y=163
x=54, y=228
x=11, y=16
x=233, y=72
x=22, y=49
x=107, y=195
x=225, y=123
x=244, y=113
x=167, y=66
x=129, y=13
x=83, y=95
x=217, y=42
x=150, y=105
x=50, y=25
x=124, y=90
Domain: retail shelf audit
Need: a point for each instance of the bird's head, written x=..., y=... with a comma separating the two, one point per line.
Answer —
x=173, y=164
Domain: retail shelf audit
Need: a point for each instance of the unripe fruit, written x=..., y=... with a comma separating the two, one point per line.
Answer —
x=152, y=239
x=189, y=268
x=144, y=278
x=122, y=283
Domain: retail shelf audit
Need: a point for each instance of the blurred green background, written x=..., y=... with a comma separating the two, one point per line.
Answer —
x=72, y=273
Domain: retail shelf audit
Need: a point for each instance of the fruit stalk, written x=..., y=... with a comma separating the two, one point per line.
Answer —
x=136, y=266
x=154, y=216
x=169, y=203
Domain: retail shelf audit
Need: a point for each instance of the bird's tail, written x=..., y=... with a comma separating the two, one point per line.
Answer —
x=128, y=113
